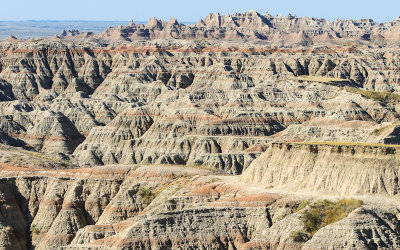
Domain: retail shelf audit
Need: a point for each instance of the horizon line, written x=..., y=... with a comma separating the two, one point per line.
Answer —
x=193, y=21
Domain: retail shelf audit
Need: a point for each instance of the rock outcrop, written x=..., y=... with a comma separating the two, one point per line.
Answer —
x=336, y=168
x=105, y=205
x=354, y=231
x=178, y=102
x=132, y=139
x=288, y=30
x=148, y=207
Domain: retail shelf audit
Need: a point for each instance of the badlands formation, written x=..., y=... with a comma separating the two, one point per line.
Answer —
x=244, y=131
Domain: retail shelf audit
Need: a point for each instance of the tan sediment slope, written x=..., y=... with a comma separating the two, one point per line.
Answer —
x=190, y=208
x=184, y=102
x=169, y=111
x=104, y=207
x=338, y=168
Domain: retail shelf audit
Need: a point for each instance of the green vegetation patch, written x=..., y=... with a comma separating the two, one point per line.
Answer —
x=303, y=205
x=323, y=213
x=34, y=230
x=60, y=163
x=299, y=236
x=146, y=195
x=380, y=131
x=322, y=79
x=380, y=96
x=341, y=143
x=347, y=43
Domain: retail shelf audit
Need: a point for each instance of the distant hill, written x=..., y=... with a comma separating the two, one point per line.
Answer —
x=35, y=29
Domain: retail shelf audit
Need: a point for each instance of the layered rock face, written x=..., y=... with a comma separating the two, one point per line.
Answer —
x=127, y=139
x=104, y=208
x=339, y=169
x=165, y=207
x=289, y=30
x=177, y=102
x=169, y=207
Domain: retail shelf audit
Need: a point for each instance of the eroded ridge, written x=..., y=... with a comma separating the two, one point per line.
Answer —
x=135, y=138
x=175, y=102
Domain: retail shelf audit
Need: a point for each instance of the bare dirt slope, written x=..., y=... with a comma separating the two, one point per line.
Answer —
x=133, y=139
x=153, y=207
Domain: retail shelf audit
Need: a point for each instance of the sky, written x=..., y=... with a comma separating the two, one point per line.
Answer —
x=192, y=11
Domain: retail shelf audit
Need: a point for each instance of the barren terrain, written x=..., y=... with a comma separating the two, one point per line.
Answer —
x=242, y=131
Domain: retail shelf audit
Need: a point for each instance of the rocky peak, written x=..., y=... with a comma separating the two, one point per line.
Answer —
x=154, y=23
x=252, y=12
x=11, y=38
x=251, y=25
x=173, y=21
x=290, y=17
x=267, y=15
x=201, y=23
x=251, y=19
x=69, y=33
x=213, y=19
